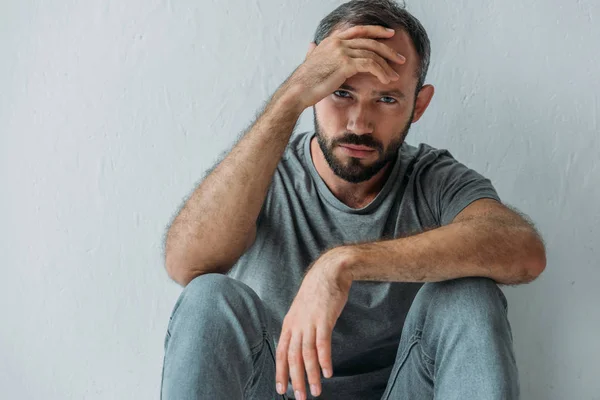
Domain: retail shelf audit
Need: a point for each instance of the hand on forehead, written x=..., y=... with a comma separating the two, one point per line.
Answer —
x=400, y=42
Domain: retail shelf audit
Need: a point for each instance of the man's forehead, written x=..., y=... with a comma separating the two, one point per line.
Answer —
x=399, y=35
x=400, y=42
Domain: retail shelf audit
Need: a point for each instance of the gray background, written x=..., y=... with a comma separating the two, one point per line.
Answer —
x=110, y=111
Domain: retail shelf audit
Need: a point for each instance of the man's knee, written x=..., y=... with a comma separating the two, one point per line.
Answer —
x=205, y=287
x=472, y=309
x=210, y=297
x=470, y=296
x=472, y=300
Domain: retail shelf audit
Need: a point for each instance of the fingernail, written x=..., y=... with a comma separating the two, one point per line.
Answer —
x=390, y=30
x=401, y=56
x=279, y=388
x=313, y=390
x=326, y=373
x=298, y=395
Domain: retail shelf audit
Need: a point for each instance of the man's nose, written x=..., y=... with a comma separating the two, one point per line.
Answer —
x=359, y=121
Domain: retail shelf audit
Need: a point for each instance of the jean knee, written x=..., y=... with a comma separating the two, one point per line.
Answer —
x=471, y=299
x=204, y=294
x=206, y=286
x=219, y=300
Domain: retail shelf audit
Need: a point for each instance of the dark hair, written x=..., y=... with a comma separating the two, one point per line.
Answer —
x=386, y=13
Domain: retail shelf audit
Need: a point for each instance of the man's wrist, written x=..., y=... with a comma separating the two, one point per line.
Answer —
x=290, y=97
x=342, y=269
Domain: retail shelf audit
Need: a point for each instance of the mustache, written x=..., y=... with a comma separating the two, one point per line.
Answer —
x=358, y=140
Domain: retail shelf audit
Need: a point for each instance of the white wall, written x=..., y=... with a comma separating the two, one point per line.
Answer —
x=111, y=111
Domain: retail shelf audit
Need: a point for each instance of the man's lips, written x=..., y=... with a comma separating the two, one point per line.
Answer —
x=356, y=147
x=357, y=151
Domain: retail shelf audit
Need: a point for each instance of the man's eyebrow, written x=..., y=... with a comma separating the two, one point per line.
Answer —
x=393, y=92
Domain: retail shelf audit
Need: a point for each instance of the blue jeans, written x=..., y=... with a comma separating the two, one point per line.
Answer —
x=456, y=343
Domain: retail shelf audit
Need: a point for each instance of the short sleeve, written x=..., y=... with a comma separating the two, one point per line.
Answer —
x=450, y=186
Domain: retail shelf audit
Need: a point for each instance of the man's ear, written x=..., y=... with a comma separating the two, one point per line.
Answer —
x=422, y=101
x=311, y=47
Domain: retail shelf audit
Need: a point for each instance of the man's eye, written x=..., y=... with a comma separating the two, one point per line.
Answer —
x=342, y=94
x=390, y=100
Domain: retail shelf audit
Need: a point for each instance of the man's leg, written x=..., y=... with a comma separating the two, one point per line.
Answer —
x=218, y=344
x=456, y=344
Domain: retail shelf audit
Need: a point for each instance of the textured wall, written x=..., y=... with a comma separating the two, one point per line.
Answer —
x=111, y=111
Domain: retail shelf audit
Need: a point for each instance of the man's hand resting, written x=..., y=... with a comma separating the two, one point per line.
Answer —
x=305, y=341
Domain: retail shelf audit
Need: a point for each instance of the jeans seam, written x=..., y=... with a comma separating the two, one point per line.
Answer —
x=283, y=396
x=412, y=342
x=260, y=345
x=429, y=360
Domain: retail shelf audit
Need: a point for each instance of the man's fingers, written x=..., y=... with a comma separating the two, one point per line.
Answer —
x=296, y=365
x=368, y=65
x=323, y=343
x=311, y=361
x=380, y=64
x=379, y=48
x=368, y=31
x=281, y=364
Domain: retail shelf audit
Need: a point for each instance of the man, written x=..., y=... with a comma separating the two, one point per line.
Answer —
x=346, y=263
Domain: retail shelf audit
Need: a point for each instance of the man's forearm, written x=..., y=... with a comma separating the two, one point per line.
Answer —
x=211, y=231
x=509, y=253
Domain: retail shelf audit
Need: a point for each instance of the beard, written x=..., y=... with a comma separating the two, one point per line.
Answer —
x=353, y=170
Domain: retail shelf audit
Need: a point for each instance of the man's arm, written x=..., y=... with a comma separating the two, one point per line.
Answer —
x=486, y=239
x=218, y=222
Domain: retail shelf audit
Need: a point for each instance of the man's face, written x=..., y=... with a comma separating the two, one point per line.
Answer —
x=366, y=112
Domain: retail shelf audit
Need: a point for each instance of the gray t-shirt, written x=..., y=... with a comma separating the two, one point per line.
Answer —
x=301, y=218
